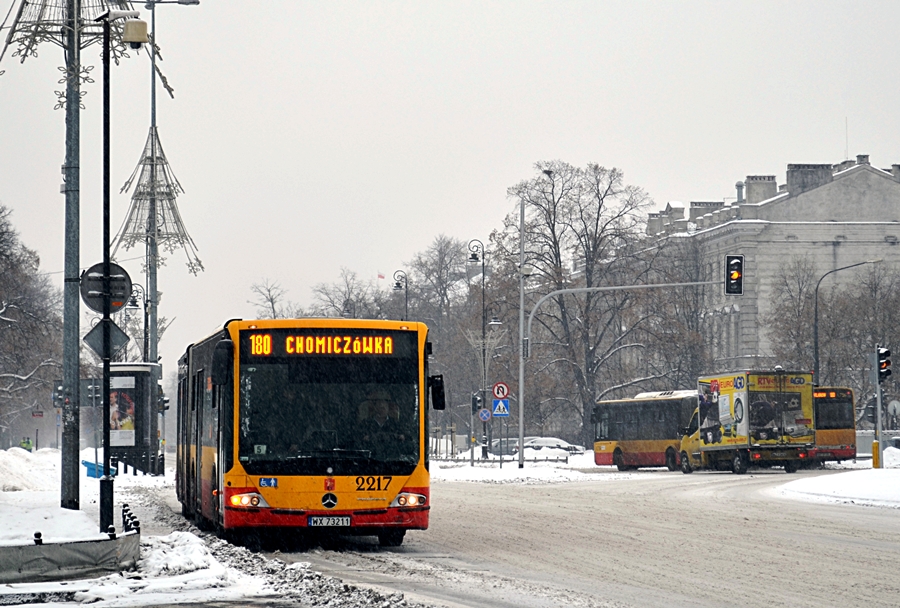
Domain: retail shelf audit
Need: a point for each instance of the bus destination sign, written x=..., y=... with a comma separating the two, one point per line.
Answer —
x=264, y=344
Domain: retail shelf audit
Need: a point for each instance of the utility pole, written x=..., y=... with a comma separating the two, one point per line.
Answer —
x=69, y=490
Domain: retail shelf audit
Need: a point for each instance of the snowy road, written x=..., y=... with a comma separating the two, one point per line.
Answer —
x=653, y=539
x=546, y=535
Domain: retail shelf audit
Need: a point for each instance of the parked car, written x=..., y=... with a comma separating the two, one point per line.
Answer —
x=538, y=443
x=509, y=446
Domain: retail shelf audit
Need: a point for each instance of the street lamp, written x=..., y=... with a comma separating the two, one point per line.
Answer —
x=135, y=34
x=477, y=255
x=134, y=304
x=151, y=299
x=816, y=317
x=523, y=345
x=401, y=281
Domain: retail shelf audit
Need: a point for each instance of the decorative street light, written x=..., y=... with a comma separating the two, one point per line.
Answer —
x=816, y=317
x=135, y=34
x=401, y=281
x=134, y=304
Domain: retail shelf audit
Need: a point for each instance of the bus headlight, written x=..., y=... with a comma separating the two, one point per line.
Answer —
x=251, y=499
x=409, y=499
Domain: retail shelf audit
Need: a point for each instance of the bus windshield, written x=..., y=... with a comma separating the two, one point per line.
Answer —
x=329, y=416
x=835, y=413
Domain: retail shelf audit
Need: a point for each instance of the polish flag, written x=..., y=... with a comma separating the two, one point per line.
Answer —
x=380, y=276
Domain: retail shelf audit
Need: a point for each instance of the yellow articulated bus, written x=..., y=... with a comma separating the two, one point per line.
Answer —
x=748, y=418
x=835, y=419
x=307, y=425
x=642, y=432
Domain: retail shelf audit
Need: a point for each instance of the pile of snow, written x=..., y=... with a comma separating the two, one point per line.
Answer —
x=21, y=470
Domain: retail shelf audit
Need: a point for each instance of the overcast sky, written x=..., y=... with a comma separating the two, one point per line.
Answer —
x=311, y=136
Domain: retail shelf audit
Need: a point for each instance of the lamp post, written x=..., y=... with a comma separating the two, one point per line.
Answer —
x=138, y=292
x=523, y=344
x=816, y=317
x=151, y=296
x=135, y=34
x=401, y=281
x=477, y=255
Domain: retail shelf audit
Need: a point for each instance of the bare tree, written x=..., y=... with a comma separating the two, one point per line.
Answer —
x=582, y=226
x=30, y=330
x=269, y=299
x=349, y=296
x=791, y=317
x=436, y=276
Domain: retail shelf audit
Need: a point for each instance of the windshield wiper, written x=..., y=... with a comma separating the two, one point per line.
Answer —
x=334, y=452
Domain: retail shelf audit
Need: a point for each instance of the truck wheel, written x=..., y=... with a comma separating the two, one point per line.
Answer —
x=686, y=464
x=670, y=461
x=738, y=464
x=791, y=466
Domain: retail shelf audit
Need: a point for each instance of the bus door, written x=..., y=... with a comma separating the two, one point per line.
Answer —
x=194, y=439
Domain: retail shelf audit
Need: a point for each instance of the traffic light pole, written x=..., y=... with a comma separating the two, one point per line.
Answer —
x=876, y=458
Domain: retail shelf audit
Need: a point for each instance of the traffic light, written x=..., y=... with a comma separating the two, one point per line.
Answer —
x=476, y=403
x=162, y=402
x=884, y=364
x=734, y=275
x=870, y=411
x=57, y=395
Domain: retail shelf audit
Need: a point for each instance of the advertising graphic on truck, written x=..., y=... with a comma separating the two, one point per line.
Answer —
x=751, y=417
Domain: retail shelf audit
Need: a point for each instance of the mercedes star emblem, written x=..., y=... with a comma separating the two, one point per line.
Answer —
x=329, y=501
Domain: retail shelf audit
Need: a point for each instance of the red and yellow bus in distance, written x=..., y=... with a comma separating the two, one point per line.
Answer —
x=835, y=422
x=642, y=432
x=307, y=424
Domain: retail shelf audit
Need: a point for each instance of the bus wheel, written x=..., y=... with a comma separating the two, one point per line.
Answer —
x=738, y=464
x=791, y=466
x=686, y=464
x=391, y=538
x=619, y=461
x=670, y=461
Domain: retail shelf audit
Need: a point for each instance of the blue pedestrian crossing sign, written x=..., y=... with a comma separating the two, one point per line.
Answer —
x=501, y=408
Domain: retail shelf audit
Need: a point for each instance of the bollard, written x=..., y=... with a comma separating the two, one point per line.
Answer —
x=37, y=539
x=136, y=526
x=112, y=532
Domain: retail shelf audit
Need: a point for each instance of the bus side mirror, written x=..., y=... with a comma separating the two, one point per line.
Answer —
x=436, y=384
x=222, y=362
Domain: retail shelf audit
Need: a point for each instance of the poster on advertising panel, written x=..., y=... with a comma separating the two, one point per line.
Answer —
x=122, y=397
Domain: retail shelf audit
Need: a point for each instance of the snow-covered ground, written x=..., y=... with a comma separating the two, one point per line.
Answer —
x=183, y=567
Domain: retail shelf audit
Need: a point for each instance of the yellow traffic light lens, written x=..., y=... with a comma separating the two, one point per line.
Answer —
x=735, y=275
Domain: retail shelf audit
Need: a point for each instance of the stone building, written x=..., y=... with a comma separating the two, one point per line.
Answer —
x=836, y=214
